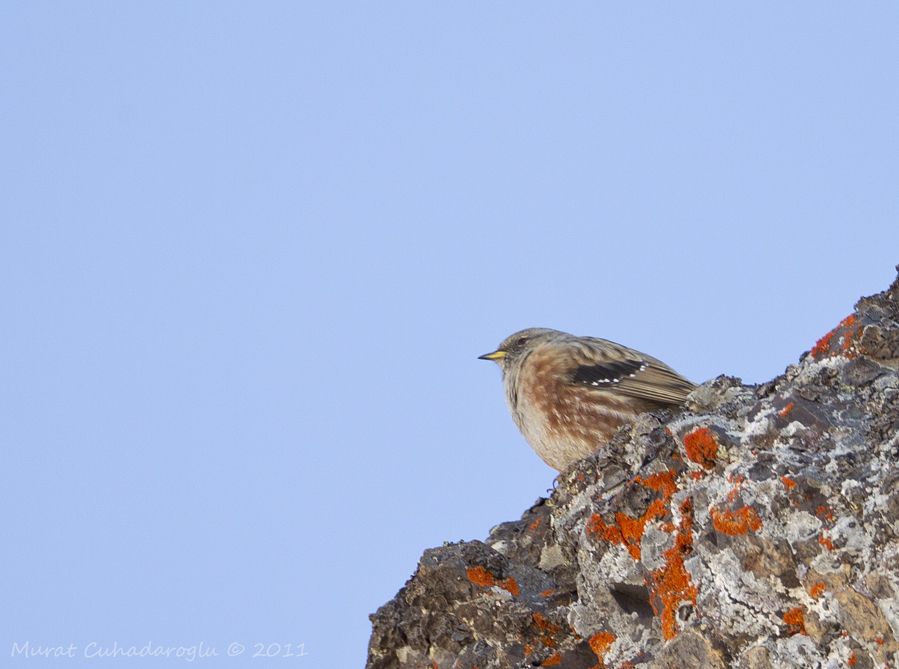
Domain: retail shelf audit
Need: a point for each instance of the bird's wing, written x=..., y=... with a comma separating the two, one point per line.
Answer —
x=607, y=366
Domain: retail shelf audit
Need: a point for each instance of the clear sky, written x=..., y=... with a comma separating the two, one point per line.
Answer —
x=249, y=253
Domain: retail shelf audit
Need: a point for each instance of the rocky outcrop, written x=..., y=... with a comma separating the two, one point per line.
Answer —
x=759, y=528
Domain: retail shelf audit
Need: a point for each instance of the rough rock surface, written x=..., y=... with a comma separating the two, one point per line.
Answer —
x=759, y=528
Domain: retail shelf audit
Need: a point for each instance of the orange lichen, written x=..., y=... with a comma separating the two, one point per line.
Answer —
x=816, y=589
x=822, y=345
x=480, y=576
x=795, y=618
x=510, y=585
x=701, y=447
x=850, y=335
x=824, y=513
x=826, y=541
x=853, y=659
x=547, y=593
x=547, y=629
x=662, y=482
x=788, y=482
x=736, y=522
x=632, y=529
x=596, y=525
x=850, y=329
x=628, y=531
x=528, y=650
x=552, y=660
x=671, y=583
x=787, y=409
x=599, y=644
x=534, y=525
x=697, y=474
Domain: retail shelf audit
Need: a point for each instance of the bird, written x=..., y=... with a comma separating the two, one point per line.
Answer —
x=568, y=395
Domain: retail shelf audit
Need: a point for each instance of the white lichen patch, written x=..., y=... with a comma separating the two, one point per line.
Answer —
x=801, y=526
x=852, y=537
x=743, y=605
x=758, y=426
x=793, y=429
x=653, y=546
x=618, y=566
x=796, y=652
x=551, y=556
x=501, y=546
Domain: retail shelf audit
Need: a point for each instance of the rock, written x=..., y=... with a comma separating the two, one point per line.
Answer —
x=759, y=528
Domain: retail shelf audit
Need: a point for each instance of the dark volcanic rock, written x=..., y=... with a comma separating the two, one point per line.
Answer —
x=758, y=529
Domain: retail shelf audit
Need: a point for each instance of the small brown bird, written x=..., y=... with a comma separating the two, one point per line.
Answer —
x=568, y=395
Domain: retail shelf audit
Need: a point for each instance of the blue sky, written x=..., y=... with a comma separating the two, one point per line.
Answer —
x=249, y=253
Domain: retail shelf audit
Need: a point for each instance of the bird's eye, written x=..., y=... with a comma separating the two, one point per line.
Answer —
x=521, y=341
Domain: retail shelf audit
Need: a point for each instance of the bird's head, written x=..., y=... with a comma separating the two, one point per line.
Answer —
x=513, y=349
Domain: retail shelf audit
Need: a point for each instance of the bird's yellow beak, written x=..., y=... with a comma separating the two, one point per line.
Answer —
x=496, y=355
